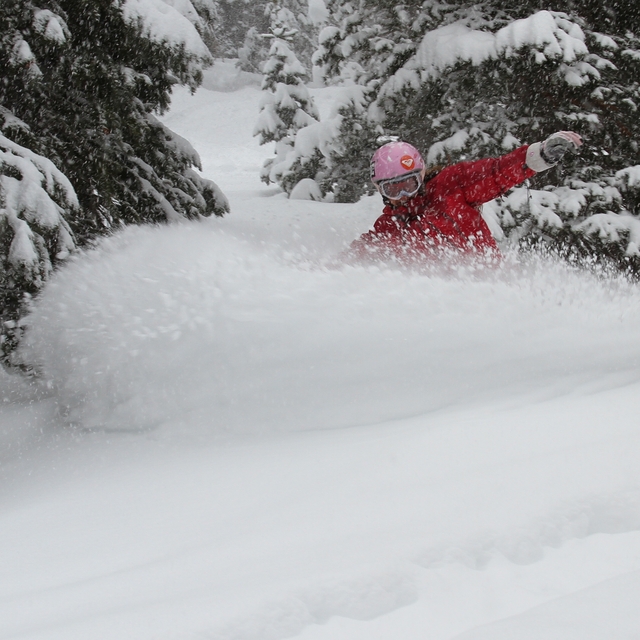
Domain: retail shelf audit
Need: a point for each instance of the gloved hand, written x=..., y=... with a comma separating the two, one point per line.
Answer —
x=557, y=144
x=544, y=155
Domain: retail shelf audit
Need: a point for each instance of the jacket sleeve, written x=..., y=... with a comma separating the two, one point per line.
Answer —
x=483, y=180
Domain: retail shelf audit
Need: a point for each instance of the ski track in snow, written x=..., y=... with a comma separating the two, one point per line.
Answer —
x=242, y=439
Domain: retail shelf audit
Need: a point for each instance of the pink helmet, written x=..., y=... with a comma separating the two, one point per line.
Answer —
x=394, y=159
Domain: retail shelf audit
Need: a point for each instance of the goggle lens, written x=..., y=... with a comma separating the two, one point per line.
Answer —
x=398, y=187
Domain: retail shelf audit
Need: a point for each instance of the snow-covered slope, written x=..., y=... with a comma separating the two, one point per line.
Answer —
x=242, y=439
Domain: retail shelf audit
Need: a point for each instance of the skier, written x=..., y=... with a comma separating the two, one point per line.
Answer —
x=438, y=213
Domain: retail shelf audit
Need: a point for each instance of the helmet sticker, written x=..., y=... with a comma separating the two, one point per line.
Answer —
x=407, y=162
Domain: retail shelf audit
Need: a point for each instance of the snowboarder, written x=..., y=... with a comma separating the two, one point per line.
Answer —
x=438, y=213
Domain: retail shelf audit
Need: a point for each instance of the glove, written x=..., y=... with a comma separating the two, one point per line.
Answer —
x=544, y=155
x=556, y=145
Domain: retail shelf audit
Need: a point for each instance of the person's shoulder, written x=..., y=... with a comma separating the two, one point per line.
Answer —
x=440, y=176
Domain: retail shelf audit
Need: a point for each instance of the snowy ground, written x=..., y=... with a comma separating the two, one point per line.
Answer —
x=241, y=440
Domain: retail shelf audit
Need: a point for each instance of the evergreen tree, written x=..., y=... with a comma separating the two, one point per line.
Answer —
x=239, y=22
x=300, y=20
x=207, y=19
x=79, y=85
x=468, y=81
x=286, y=108
x=238, y=27
x=254, y=51
x=35, y=200
x=235, y=19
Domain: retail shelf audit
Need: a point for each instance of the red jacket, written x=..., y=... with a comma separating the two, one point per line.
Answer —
x=445, y=215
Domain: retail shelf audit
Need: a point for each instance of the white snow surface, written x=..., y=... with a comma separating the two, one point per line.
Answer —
x=240, y=438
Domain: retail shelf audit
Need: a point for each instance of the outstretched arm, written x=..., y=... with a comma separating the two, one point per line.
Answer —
x=483, y=180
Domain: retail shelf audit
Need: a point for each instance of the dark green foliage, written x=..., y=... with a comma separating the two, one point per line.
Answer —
x=89, y=111
x=84, y=83
x=345, y=173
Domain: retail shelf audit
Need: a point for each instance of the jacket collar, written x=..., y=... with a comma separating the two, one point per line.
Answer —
x=413, y=208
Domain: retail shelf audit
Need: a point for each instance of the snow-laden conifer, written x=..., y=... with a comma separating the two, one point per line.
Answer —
x=286, y=107
x=35, y=200
x=302, y=20
x=254, y=51
x=242, y=24
x=80, y=85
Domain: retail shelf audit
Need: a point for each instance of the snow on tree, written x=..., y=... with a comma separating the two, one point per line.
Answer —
x=471, y=80
x=330, y=152
x=301, y=20
x=79, y=89
x=254, y=51
x=240, y=23
x=35, y=198
x=286, y=107
x=228, y=23
x=205, y=16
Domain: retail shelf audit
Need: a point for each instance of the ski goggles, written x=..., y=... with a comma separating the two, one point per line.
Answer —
x=404, y=186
